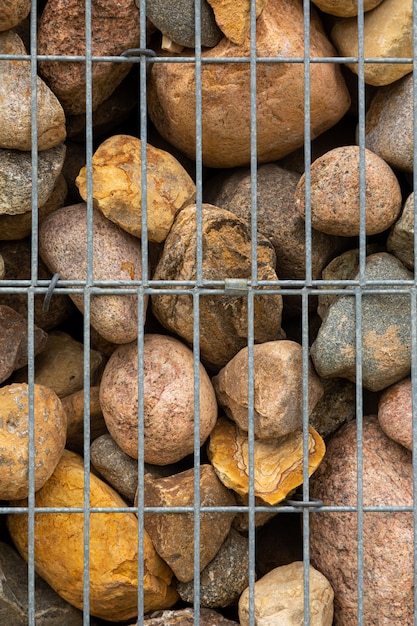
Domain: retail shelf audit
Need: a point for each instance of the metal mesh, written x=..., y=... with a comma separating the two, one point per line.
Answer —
x=303, y=289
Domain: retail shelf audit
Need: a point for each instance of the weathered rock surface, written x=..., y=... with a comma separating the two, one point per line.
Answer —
x=388, y=33
x=233, y=17
x=173, y=535
x=59, y=557
x=13, y=12
x=117, y=256
x=116, y=467
x=395, y=412
x=278, y=388
x=185, y=617
x=74, y=410
x=115, y=28
x=337, y=406
x=400, y=241
x=386, y=338
x=16, y=104
x=226, y=110
x=388, y=562
x=345, y=8
x=335, y=193
x=168, y=396
x=226, y=241
x=117, y=186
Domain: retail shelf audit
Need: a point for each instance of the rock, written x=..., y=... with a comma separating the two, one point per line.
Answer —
x=168, y=397
x=400, y=241
x=277, y=216
x=388, y=561
x=13, y=12
x=173, y=535
x=278, y=388
x=226, y=111
x=224, y=578
x=115, y=28
x=233, y=17
x=279, y=598
x=113, y=547
x=337, y=406
x=60, y=366
x=387, y=33
x=116, y=467
x=50, y=608
x=389, y=124
x=16, y=178
x=343, y=8
x=50, y=429
x=74, y=409
x=395, y=412
x=278, y=463
x=14, y=341
x=16, y=104
x=226, y=241
x=117, y=256
x=335, y=193
x=2, y=268
x=176, y=20
x=117, y=186
x=185, y=617
x=386, y=339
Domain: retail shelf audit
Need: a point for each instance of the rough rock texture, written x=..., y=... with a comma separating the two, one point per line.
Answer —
x=226, y=241
x=278, y=463
x=278, y=388
x=388, y=561
x=115, y=28
x=117, y=186
x=185, y=617
x=335, y=193
x=395, y=412
x=279, y=598
x=386, y=338
x=389, y=124
x=226, y=89
x=50, y=608
x=50, y=429
x=224, y=578
x=16, y=178
x=117, y=256
x=277, y=216
x=14, y=341
x=388, y=33
x=16, y=105
x=116, y=467
x=345, y=8
x=233, y=17
x=176, y=20
x=168, y=396
x=13, y=12
x=173, y=535
x=400, y=241
x=74, y=409
x=113, y=547
x=337, y=406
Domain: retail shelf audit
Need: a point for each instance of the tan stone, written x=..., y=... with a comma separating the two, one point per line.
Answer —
x=345, y=8
x=12, y=12
x=173, y=535
x=226, y=111
x=74, y=410
x=278, y=463
x=117, y=186
x=278, y=388
x=279, y=598
x=113, y=547
x=388, y=33
x=400, y=241
x=16, y=105
x=233, y=17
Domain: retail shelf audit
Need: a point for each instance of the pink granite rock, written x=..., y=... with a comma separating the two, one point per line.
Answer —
x=395, y=412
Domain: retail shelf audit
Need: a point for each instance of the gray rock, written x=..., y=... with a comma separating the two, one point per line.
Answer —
x=337, y=406
x=386, y=331
x=224, y=578
x=185, y=617
x=175, y=19
x=401, y=238
x=50, y=608
x=115, y=466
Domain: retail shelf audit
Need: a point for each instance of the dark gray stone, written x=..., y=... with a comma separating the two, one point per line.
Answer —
x=337, y=406
x=116, y=467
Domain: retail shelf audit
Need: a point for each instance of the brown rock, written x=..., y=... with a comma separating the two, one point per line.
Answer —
x=16, y=104
x=345, y=8
x=59, y=557
x=335, y=193
x=395, y=413
x=115, y=28
x=400, y=241
x=388, y=33
x=226, y=111
x=173, y=535
x=13, y=12
x=74, y=409
x=388, y=568
x=117, y=186
x=116, y=467
x=278, y=388
x=233, y=18
x=278, y=463
x=226, y=242
x=185, y=617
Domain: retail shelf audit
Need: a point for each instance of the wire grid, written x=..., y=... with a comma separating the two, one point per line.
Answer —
x=248, y=287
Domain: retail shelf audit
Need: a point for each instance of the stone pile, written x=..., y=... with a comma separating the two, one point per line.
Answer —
x=172, y=371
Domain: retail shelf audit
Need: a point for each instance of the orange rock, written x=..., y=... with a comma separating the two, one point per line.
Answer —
x=233, y=17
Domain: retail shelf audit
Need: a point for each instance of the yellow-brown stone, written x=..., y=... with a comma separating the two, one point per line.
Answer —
x=233, y=17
